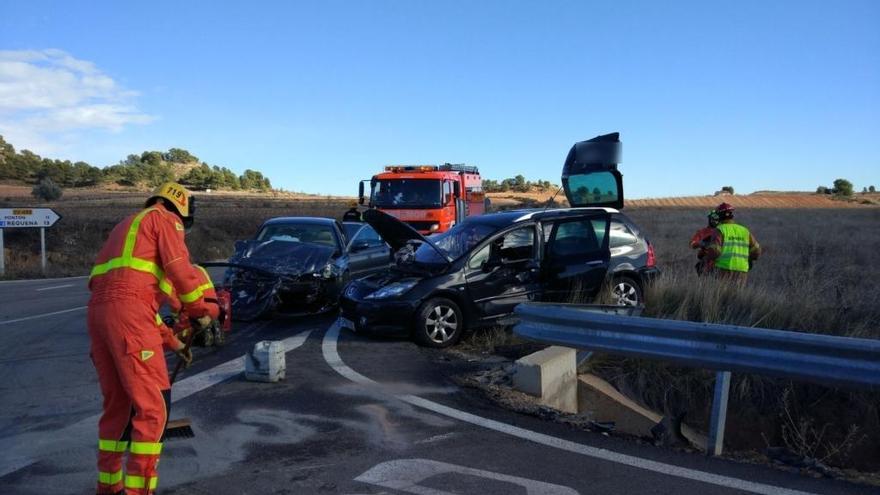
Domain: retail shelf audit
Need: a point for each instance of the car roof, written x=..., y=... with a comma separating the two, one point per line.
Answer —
x=510, y=217
x=300, y=220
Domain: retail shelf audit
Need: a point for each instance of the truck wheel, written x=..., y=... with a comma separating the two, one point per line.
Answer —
x=439, y=323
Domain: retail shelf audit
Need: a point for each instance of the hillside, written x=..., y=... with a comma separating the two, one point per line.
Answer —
x=143, y=171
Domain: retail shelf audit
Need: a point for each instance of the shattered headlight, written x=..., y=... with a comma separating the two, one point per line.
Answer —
x=396, y=289
x=329, y=271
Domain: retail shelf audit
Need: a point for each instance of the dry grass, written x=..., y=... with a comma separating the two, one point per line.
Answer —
x=818, y=274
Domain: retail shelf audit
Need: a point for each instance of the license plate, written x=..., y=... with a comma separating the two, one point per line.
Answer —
x=344, y=322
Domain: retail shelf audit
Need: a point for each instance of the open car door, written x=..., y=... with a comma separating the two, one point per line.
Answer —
x=590, y=176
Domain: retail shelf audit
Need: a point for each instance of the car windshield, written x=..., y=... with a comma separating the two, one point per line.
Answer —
x=454, y=243
x=407, y=193
x=298, y=232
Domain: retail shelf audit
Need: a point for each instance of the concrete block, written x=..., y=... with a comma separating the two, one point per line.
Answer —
x=550, y=375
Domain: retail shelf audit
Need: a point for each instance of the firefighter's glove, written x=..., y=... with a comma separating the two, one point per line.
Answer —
x=185, y=354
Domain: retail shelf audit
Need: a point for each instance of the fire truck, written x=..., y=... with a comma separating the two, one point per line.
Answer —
x=430, y=198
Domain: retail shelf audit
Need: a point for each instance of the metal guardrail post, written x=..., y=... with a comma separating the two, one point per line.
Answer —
x=715, y=445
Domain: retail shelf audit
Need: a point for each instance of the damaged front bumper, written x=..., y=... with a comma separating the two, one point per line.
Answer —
x=257, y=292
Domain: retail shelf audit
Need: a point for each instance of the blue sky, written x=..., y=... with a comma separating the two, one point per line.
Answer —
x=758, y=95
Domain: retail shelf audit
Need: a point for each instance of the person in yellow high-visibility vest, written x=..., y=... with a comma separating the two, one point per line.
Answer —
x=737, y=248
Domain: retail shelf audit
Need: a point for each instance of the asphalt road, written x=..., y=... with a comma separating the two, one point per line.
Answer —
x=353, y=416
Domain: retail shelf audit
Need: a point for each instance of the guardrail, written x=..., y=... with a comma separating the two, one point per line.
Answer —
x=825, y=359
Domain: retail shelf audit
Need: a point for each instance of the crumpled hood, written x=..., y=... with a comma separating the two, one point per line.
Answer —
x=291, y=258
x=395, y=233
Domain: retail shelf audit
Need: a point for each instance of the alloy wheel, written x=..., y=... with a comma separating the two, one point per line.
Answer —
x=441, y=324
x=626, y=294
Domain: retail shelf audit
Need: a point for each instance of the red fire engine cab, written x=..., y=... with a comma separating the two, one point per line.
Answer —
x=430, y=198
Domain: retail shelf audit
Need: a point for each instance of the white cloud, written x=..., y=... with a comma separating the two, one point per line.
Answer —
x=46, y=92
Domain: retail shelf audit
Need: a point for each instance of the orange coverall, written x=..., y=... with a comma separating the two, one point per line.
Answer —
x=126, y=345
x=707, y=240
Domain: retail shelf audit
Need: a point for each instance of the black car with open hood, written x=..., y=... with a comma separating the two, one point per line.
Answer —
x=476, y=273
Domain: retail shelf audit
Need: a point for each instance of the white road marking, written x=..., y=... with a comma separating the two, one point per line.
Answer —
x=31, y=448
x=37, y=280
x=406, y=474
x=437, y=438
x=44, y=315
x=331, y=355
x=53, y=288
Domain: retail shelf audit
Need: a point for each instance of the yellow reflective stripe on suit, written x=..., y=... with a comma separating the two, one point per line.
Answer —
x=112, y=445
x=109, y=478
x=136, y=482
x=146, y=448
x=127, y=260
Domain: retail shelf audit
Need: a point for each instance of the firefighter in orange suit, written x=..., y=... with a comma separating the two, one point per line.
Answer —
x=127, y=337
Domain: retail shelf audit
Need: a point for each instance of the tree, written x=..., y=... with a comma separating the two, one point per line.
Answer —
x=842, y=187
x=822, y=190
x=872, y=189
x=864, y=190
x=727, y=189
x=46, y=190
x=178, y=155
x=251, y=179
x=151, y=157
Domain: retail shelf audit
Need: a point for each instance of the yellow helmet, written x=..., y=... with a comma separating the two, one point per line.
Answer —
x=178, y=197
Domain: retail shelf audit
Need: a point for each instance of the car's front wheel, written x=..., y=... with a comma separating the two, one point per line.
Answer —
x=626, y=291
x=439, y=323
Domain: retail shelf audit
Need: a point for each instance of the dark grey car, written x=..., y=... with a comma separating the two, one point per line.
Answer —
x=299, y=265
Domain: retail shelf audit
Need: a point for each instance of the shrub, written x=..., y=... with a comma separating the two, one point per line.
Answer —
x=822, y=190
x=47, y=190
x=843, y=187
x=727, y=189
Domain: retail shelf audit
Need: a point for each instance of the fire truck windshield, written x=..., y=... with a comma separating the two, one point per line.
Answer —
x=407, y=193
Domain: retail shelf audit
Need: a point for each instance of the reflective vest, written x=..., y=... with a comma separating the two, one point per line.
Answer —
x=127, y=259
x=168, y=289
x=735, y=249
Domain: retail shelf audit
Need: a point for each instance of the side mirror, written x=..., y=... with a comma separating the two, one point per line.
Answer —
x=240, y=246
x=361, y=192
x=456, y=189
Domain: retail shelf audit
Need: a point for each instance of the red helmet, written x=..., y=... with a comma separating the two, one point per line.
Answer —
x=725, y=210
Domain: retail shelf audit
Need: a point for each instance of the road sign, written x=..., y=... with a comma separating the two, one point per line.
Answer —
x=36, y=218
x=27, y=218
